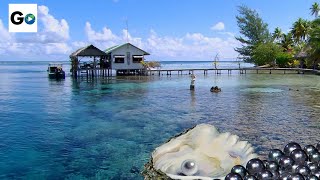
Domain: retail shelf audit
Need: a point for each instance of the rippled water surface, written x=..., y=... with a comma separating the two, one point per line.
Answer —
x=107, y=128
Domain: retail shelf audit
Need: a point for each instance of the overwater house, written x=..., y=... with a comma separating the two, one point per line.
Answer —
x=90, y=61
x=126, y=59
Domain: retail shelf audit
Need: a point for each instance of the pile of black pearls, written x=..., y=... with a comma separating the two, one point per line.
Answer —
x=293, y=163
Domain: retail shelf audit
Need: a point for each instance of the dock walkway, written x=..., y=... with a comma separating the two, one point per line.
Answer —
x=229, y=70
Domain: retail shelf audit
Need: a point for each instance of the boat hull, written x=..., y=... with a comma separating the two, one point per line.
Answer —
x=56, y=75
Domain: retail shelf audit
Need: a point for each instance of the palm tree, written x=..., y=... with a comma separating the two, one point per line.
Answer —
x=314, y=43
x=287, y=42
x=300, y=30
x=277, y=34
x=315, y=8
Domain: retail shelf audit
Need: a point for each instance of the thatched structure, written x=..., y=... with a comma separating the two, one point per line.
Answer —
x=301, y=56
x=92, y=52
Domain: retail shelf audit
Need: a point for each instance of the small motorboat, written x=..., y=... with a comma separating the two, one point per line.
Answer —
x=55, y=71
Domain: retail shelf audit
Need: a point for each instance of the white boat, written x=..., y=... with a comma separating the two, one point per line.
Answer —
x=55, y=71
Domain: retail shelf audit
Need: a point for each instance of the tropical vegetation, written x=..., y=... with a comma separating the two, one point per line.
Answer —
x=298, y=48
x=150, y=64
x=254, y=32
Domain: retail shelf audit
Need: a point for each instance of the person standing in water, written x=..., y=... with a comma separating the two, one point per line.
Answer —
x=193, y=79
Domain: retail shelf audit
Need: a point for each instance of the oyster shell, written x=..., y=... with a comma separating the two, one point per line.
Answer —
x=213, y=153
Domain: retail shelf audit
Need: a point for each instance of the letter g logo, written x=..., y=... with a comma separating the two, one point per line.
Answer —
x=23, y=17
x=19, y=19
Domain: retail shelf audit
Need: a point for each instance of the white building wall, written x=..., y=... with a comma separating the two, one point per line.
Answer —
x=122, y=51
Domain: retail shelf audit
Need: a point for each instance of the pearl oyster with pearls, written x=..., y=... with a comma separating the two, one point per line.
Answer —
x=199, y=153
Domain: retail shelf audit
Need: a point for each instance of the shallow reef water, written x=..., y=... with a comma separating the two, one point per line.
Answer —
x=106, y=128
x=263, y=90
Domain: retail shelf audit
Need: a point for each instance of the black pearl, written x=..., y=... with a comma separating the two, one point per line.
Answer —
x=312, y=177
x=304, y=170
x=297, y=176
x=249, y=177
x=275, y=174
x=239, y=170
x=299, y=156
x=318, y=146
x=315, y=157
x=285, y=176
x=254, y=166
x=274, y=155
x=290, y=147
x=233, y=176
x=313, y=167
x=271, y=166
x=281, y=171
x=294, y=167
x=317, y=173
x=264, y=174
x=309, y=149
x=265, y=162
x=286, y=163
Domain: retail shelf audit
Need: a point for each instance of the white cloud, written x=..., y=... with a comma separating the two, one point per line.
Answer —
x=106, y=38
x=165, y=46
x=227, y=33
x=126, y=37
x=57, y=48
x=105, y=35
x=53, y=39
x=54, y=31
x=5, y=36
x=18, y=49
x=79, y=44
x=6, y=39
x=189, y=46
x=219, y=26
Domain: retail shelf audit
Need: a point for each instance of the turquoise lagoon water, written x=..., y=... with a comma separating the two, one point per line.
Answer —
x=107, y=128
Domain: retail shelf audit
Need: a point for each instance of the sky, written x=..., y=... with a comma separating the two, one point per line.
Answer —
x=167, y=29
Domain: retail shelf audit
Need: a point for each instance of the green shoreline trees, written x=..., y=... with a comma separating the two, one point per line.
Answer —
x=260, y=47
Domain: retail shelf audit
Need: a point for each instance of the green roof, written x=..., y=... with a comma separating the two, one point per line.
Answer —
x=110, y=49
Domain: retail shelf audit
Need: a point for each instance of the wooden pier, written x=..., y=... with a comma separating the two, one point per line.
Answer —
x=96, y=72
x=169, y=72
